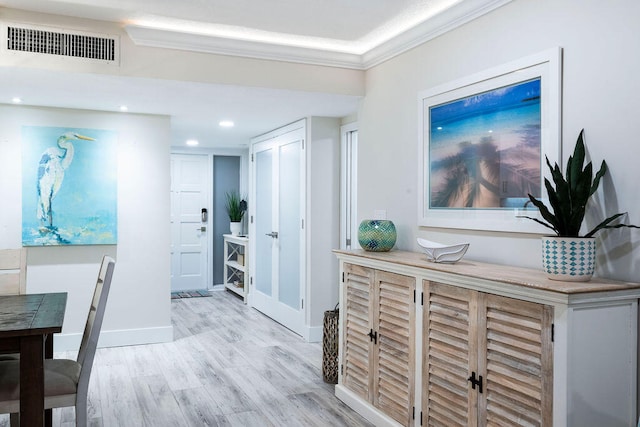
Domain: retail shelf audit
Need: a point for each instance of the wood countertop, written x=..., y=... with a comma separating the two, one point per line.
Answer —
x=526, y=277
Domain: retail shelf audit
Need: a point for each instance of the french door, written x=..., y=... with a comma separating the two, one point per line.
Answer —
x=277, y=228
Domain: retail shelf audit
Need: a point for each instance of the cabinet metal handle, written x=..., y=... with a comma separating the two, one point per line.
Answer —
x=373, y=336
x=273, y=234
x=475, y=382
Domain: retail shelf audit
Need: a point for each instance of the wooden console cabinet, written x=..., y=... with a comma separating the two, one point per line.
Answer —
x=476, y=344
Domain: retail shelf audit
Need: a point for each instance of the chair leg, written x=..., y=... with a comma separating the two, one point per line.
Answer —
x=81, y=413
x=14, y=419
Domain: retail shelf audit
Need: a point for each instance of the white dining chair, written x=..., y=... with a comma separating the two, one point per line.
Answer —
x=66, y=381
x=13, y=271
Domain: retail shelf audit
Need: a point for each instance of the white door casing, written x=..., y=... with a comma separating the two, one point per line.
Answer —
x=348, y=186
x=190, y=193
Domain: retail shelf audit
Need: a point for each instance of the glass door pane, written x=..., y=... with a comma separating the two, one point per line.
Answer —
x=264, y=226
x=290, y=224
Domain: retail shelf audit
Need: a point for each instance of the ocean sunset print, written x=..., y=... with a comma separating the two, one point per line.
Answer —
x=485, y=149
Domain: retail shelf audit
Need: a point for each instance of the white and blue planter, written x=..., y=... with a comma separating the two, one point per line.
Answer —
x=569, y=258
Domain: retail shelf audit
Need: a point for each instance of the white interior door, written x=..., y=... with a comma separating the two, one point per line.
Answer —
x=277, y=229
x=190, y=190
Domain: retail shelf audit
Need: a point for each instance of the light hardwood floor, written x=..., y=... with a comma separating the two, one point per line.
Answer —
x=228, y=365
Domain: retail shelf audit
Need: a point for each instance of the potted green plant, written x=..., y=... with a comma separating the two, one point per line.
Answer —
x=567, y=255
x=234, y=207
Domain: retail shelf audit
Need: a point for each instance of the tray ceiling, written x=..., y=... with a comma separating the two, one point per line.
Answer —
x=354, y=34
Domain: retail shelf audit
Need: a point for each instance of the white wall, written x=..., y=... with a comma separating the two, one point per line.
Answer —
x=600, y=42
x=174, y=64
x=138, y=310
x=323, y=219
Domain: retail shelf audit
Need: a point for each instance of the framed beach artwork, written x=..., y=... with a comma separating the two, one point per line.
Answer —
x=483, y=142
x=69, y=186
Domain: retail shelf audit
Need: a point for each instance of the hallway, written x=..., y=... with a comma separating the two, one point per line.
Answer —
x=228, y=365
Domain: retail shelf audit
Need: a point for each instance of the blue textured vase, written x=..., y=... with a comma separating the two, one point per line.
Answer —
x=569, y=258
x=377, y=235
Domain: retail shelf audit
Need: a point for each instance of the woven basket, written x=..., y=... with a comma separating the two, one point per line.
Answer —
x=330, y=346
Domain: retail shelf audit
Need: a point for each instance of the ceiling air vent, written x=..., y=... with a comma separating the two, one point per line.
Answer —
x=77, y=45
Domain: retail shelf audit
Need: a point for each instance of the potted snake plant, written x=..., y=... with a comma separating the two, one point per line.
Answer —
x=569, y=255
x=234, y=207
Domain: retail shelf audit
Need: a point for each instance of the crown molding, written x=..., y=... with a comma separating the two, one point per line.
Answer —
x=153, y=37
x=453, y=17
x=461, y=13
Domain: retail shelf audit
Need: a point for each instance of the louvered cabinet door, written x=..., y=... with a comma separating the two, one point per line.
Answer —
x=357, y=346
x=394, y=354
x=516, y=356
x=450, y=352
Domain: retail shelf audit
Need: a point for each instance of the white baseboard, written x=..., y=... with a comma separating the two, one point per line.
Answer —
x=365, y=409
x=117, y=338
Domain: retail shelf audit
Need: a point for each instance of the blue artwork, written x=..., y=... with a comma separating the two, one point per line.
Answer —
x=485, y=149
x=69, y=186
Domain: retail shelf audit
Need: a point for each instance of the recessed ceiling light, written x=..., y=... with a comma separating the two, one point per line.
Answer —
x=192, y=142
x=16, y=100
x=226, y=124
x=124, y=108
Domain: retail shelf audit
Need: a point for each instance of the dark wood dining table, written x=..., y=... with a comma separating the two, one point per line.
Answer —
x=27, y=325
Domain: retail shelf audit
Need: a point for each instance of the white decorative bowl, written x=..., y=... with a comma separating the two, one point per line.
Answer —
x=438, y=252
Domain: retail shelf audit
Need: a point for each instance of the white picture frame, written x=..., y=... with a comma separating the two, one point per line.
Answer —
x=434, y=210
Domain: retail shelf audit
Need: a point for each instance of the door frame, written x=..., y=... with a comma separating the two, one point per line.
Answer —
x=243, y=153
x=348, y=186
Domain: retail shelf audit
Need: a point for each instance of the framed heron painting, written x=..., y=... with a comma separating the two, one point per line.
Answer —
x=484, y=143
x=69, y=186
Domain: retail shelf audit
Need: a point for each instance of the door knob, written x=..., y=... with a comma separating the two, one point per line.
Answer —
x=203, y=228
x=273, y=234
